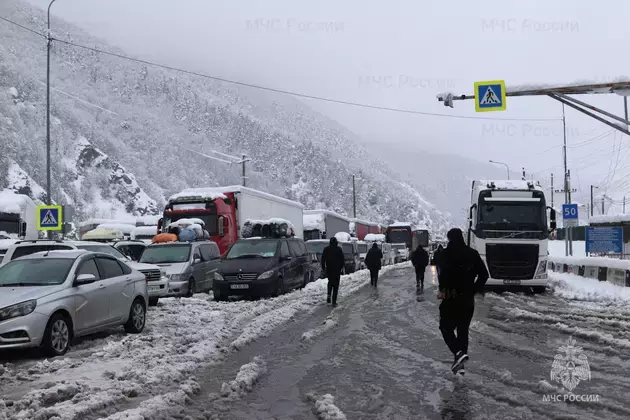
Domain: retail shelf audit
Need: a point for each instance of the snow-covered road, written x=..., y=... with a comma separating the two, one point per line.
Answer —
x=380, y=355
x=150, y=375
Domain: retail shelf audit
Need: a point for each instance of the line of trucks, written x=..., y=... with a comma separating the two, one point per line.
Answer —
x=507, y=224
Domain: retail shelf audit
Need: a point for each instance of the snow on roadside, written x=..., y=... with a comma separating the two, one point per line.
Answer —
x=245, y=379
x=325, y=407
x=570, y=286
x=330, y=322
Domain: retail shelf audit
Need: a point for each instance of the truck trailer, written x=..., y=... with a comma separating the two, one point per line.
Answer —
x=224, y=211
x=323, y=224
x=508, y=227
x=360, y=228
x=18, y=216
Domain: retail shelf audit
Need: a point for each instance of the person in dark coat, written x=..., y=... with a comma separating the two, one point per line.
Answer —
x=459, y=265
x=373, y=261
x=333, y=262
x=420, y=260
x=437, y=255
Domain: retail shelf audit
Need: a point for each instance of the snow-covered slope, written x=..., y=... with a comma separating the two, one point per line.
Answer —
x=109, y=114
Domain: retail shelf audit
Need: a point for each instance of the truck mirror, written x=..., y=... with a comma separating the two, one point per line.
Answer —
x=23, y=229
x=552, y=215
x=552, y=225
x=221, y=226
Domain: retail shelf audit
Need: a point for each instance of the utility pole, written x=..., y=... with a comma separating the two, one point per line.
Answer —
x=354, y=197
x=551, y=190
x=603, y=205
x=567, y=197
x=592, y=186
x=243, y=162
x=48, y=148
x=625, y=108
x=624, y=201
x=524, y=178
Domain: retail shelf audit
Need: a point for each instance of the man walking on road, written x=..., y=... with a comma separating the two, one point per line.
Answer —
x=333, y=261
x=373, y=261
x=459, y=266
x=420, y=260
x=437, y=255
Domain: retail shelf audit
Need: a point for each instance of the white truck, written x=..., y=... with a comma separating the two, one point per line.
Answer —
x=324, y=224
x=508, y=227
x=17, y=216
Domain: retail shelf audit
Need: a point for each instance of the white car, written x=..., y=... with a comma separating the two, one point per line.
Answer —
x=48, y=298
x=157, y=281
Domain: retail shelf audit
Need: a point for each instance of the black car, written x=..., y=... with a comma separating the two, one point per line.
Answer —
x=352, y=257
x=263, y=267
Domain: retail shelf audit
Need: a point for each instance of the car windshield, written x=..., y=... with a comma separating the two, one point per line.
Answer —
x=316, y=247
x=105, y=249
x=248, y=248
x=35, y=272
x=166, y=254
x=363, y=248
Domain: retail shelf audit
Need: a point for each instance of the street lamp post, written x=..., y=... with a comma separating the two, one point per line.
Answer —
x=504, y=164
x=48, y=164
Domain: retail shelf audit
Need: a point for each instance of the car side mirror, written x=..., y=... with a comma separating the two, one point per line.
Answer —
x=84, y=279
x=286, y=258
x=196, y=260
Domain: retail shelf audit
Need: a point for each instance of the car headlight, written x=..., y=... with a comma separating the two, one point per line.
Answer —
x=163, y=273
x=266, y=275
x=175, y=277
x=18, y=310
x=218, y=276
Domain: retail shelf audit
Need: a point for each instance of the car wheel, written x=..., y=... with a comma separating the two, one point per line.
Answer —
x=307, y=277
x=279, y=288
x=153, y=301
x=57, y=335
x=192, y=287
x=539, y=289
x=218, y=297
x=137, y=317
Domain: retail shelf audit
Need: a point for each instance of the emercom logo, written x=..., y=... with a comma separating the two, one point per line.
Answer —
x=569, y=368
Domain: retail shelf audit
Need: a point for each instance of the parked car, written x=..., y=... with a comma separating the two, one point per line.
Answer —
x=132, y=249
x=352, y=258
x=316, y=267
x=157, y=282
x=263, y=267
x=189, y=266
x=316, y=247
x=363, y=249
x=401, y=252
x=49, y=298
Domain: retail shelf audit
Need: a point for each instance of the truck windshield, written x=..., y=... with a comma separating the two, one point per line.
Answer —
x=166, y=254
x=208, y=216
x=347, y=248
x=316, y=247
x=506, y=215
x=248, y=248
x=10, y=223
x=363, y=248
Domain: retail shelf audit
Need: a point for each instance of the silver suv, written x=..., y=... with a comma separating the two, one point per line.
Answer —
x=47, y=298
x=156, y=277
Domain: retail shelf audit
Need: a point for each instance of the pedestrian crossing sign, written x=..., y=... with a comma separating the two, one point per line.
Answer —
x=49, y=217
x=490, y=96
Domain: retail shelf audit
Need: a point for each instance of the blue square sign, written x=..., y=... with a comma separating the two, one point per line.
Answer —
x=569, y=211
x=490, y=96
x=602, y=240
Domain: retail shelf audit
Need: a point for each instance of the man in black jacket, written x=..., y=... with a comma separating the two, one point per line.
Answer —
x=373, y=261
x=459, y=266
x=333, y=262
x=420, y=260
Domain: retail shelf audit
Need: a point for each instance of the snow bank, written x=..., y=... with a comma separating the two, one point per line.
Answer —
x=374, y=237
x=314, y=221
x=556, y=248
x=330, y=322
x=510, y=184
x=593, y=262
x=570, y=286
x=610, y=218
x=325, y=408
x=245, y=379
x=343, y=237
x=10, y=202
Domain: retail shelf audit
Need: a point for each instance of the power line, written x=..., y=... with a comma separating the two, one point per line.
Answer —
x=23, y=27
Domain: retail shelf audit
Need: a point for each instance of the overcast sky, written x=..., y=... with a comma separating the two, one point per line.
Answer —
x=401, y=54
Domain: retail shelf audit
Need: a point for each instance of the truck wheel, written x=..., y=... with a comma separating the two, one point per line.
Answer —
x=539, y=289
x=153, y=301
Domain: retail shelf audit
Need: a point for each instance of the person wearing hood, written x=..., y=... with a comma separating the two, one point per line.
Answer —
x=373, y=260
x=420, y=260
x=333, y=262
x=437, y=255
x=459, y=266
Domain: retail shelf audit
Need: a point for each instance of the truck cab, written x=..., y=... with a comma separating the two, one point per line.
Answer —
x=508, y=227
x=17, y=216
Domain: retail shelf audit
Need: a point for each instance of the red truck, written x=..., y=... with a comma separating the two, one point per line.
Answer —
x=362, y=228
x=224, y=211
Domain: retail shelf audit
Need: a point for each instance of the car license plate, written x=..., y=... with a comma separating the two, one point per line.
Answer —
x=239, y=286
x=512, y=282
x=154, y=288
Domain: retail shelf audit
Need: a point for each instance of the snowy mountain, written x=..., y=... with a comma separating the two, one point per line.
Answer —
x=110, y=114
